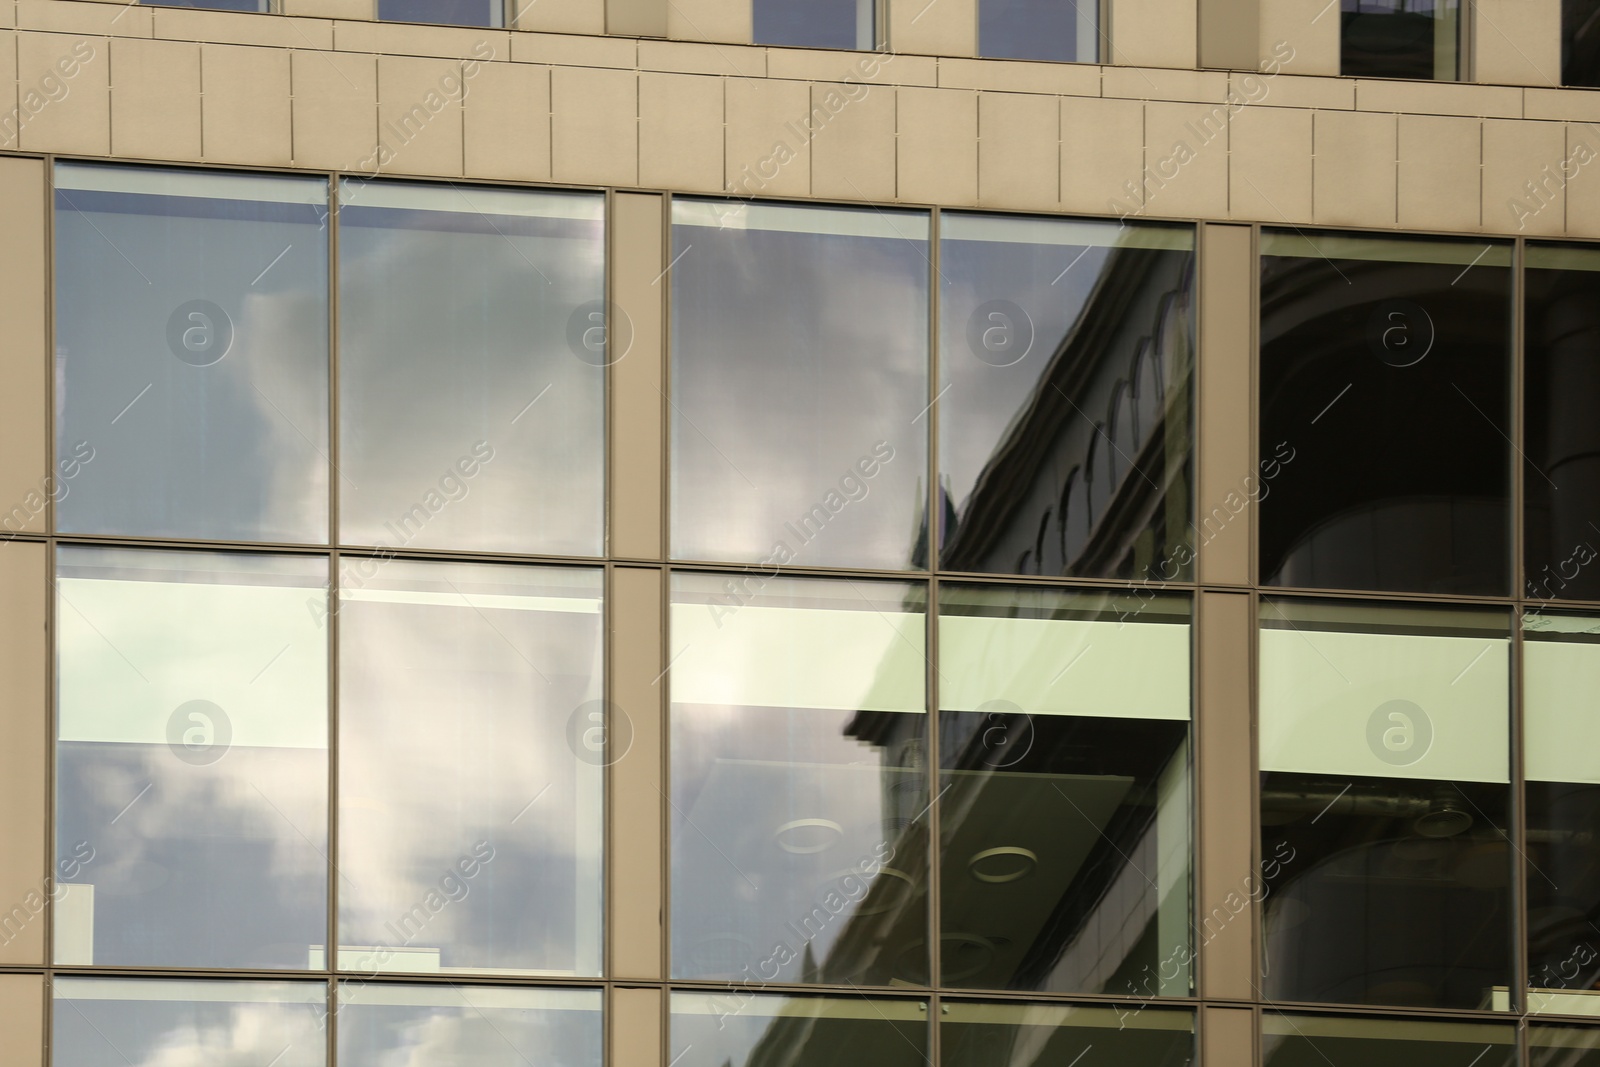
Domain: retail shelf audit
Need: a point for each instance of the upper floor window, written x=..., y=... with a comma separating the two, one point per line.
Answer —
x=1580, y=43
x=260, y=6
x=1401, y=39
x=813, y=24
x=1062, y=30
x=444, y=12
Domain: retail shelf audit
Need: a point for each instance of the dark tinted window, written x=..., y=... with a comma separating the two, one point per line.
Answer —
x=444, y=12
x=1580, y=43
x=1318, y=1041
x=1385, y=398
x=1062, y=30
x=814, y=23
x=1399, y=39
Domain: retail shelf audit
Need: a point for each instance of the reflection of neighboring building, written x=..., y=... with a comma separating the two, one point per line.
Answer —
x=1091, y=475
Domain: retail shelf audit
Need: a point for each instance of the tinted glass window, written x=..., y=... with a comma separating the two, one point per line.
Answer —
x=814, y=23
x=470, y=827
x=1580, y=43
x=1061, y=30
x=1385, y=406
x=192, y=759
x=747, y=1031
x=447, y=12
x=192, y=353
x=799, y=790
x=1066, y=364
x=1400, y=39
x=1561, y=436
x=1316, y=1041
x=1384, y=734
x=799, y=384
x=217, y=5
x=1036, y=1035
x=471, y=375
x=1563, y=1046
x=1065, y=791
x=382, y=1024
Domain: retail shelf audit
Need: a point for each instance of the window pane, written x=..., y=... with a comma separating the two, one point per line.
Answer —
x=799, y=384
x=798, y=792
x=815, y=23
x=1561, y=439
x=1561, y=760
x=1399, y=39
x=468, y=679
x=107, y=1022
x=192, y=758
x=382, y=1025
x=1385, y=413
x=217, y=5
x=1316, y=1041
x=471, y=412
x=1022, y=1035
x=1384, y=734
x=1065, y=791
x=1563, y=1046
x=1061, y=30
x=1580, y=43
x=446, y=12
x=738, y=1030
x=192, y=353
x=1066, y=373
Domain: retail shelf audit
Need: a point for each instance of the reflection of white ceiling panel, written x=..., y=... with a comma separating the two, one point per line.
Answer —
x=1326, y=705
x=842, y=660
x=132, y=652
x=1561, y=730
x=1065, y=666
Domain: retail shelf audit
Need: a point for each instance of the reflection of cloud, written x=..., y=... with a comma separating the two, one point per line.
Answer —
x=248, y=1036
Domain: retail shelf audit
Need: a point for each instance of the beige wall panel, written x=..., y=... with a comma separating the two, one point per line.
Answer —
x=637, y=18
x=709, y=20
x=1523, y=182
x=419, y=115
x=1354, y=175
x=638, y=377
x=566, y=51
x=69, y=16
x=1186, y=160
x=680, y=132
x=636, y=1018
x=8, y=15
x=1582, y=191
x=692, y=57
x=1439, y=98
x=1227, y=1037
x=1019, y=150
x=853, y=150
x=594, y=125
x=1142, y=83
x=22, y=1020
x=934, y=27
x=1154, y=33
x=335, y=110
x=24, y=462
x=559, y=16
x=10, y=116
x=1440, y=184
x=444, y=42
x=1303, y=35
x=331, y=9
x=1102, y=156
x=805, y=64
x=1517, y=42
x=638, y=687
x=505, y=122
x=1229, y=34
x=1291, y=90
x=1561, y=104
x=245, y=115
x=76, y=119
x=1226, y=774
x=768, y=152
x=937, y=146
x=1063, y=79
x=236, y=27
x=1227, y=473
x=155, y=99
x=1269, y=164
x=24, y=714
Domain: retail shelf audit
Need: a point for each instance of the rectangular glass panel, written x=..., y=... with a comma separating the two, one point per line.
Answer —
x=1400, y=39
x=1060, y=30
x=1580, y=43
x=382, y=1025
x=472, y=368
x=1316, y=1041
x=470, y=814
x=1065, y=798
x=736, y=1029
x=1047, y=1035
x=815, y=23
x=1384, y=798
x=799, y=384
x=116, y=1022
x=1563, y=1046
x=1561, y=760
x=799, y=838
x=1385, y=393
x=215, y=5
x=1561, y=439
x=192, y=353
x=191, y=759
x=1066, y=396
x=444, y=12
